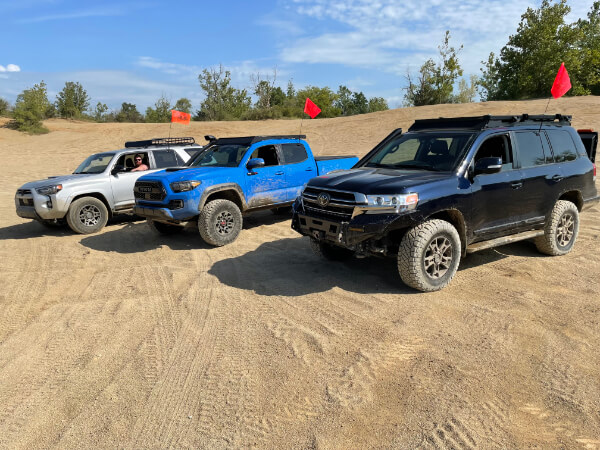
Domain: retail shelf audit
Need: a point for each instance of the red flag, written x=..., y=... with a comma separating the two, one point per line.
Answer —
x=311, y=109
x=181, y=117
x=562, y=82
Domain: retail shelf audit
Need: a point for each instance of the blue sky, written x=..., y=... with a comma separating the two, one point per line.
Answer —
x=135, y=52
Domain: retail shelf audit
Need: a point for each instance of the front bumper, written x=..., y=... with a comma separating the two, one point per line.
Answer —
x=349, y=234
x=31, y=205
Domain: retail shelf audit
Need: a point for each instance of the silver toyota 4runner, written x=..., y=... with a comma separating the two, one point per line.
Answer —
x=101, y=186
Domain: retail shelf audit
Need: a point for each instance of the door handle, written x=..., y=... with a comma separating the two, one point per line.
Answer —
x=557, y=178
x=278, y=173
x=309, y=169
x=517, y=185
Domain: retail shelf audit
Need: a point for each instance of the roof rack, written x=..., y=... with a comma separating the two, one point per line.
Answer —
x=156, y=142
x=249, y=140
x=489, y=121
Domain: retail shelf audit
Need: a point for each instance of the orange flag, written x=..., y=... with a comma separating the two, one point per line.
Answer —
x=311, y=109
x=562, y=82
x=181, y=117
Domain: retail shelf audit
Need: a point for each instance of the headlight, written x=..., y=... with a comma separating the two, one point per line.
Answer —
x=183, y=186
x=401, y=202
x=49, y=190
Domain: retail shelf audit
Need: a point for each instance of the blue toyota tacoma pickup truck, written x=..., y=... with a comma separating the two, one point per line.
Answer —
x=449, y=187
x=231, y=177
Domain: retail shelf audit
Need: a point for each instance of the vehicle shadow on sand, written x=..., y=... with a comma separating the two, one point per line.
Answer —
x=288, y=267
x=525, y=249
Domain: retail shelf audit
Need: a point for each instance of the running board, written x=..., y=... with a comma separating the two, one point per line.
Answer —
x=483, y=245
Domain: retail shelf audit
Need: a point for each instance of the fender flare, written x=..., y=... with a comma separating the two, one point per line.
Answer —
x=223, y=187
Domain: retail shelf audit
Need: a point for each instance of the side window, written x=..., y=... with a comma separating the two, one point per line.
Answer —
x=165, y=158
x=294, y=153
x=193, y=151
x=128, y=162
x=498, y=147
x=531, y=152
x=562, y=145
x=268, y=153
x=180, y=161
x=547, y=149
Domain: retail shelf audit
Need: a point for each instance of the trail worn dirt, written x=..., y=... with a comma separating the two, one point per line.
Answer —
x=124, y=339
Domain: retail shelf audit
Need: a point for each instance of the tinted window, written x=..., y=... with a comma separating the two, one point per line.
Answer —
x=497, y=147
x=227, y=155
x=180, y=161
x=562, y=145
x=531, y=152
x=294, y=153
x=193, y=151
x=268, y=153
x=165, y=158
x=547, y=149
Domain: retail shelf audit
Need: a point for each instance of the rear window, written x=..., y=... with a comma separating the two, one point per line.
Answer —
x=294, y=153
x=530, y=148
x=193, y=151
x=562, y=145
x=165, y=158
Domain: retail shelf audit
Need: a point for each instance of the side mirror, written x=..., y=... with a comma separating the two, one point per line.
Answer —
x=490, y=164
x=118, y=168
x=254, y=163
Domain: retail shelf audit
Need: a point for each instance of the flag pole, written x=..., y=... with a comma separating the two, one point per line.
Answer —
x=301, y=120
x=541, y=122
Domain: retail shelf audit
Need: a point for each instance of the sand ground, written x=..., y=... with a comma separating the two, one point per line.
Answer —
x=126, y=339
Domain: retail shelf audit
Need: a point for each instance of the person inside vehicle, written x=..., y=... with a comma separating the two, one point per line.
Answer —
x=139, y=163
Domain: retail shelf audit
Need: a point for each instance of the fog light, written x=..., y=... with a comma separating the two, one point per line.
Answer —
x=49, y=204
x=176, y=204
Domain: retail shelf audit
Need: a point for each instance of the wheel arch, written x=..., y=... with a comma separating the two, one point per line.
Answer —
x=97, y=195
x=457, y=220
x=229, y=191
x=573, y=197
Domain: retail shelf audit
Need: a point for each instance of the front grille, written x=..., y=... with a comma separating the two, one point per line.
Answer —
x=339, y=207
x=25, y=202
x=149, y=190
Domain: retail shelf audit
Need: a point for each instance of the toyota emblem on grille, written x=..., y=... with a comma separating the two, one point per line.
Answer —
x=323, y=199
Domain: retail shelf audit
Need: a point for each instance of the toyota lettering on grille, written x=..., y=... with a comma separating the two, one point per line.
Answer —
x=323, y=199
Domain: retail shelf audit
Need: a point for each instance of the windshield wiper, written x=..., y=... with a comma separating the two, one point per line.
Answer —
x=416, y=165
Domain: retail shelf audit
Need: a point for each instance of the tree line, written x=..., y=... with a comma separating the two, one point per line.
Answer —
x=524, y=69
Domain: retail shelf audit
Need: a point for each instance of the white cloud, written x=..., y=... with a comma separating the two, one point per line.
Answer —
x=389, y=35
x=13, y=68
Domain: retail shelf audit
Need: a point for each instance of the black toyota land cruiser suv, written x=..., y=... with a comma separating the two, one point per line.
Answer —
x=449, y=187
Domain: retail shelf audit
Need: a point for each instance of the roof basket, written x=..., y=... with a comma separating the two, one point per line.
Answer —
x=160, y=142
x=488, y=121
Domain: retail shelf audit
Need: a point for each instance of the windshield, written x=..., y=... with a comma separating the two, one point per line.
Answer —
x=439, y=151
x=95, y=164
x=226, y=155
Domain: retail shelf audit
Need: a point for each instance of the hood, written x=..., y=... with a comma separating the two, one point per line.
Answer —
x=61, y=179
x=367, y=180
x=187, y=174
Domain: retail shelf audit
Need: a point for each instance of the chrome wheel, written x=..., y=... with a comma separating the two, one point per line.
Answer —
x=438, y=257
x=224, y=222
x=90, y=215
x=565, y=230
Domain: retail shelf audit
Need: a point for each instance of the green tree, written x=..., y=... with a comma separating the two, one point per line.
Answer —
x=344, y=101
x=435, y=82
x=30, y=109
x=183, y=105
x=161, y=113
x=360, y=104
x=99, y=112
x=528, y=63
x=589, y=45
x=466, y=91
x=72, y=101
x=4, y=107
x=128, y=113
x=223, y=101
x=378, y=104
x=324, y=98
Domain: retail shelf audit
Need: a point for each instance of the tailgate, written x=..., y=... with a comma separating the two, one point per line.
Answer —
x=590, y=142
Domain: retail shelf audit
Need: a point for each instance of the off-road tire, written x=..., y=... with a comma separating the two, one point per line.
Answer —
x=282, y=211
x=329, y=252
x=560, y=231
x=220, y=222
x=429, y=255
x=87, y=215
x=163, y=228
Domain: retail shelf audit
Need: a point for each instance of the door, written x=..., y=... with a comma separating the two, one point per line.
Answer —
x=495, y=196
x=122, y=182
x=542, y=179
x=299, y=168
x=266, y=185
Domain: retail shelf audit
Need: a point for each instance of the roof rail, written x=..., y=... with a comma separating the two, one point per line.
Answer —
x=156, y=142
x=488, y=121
